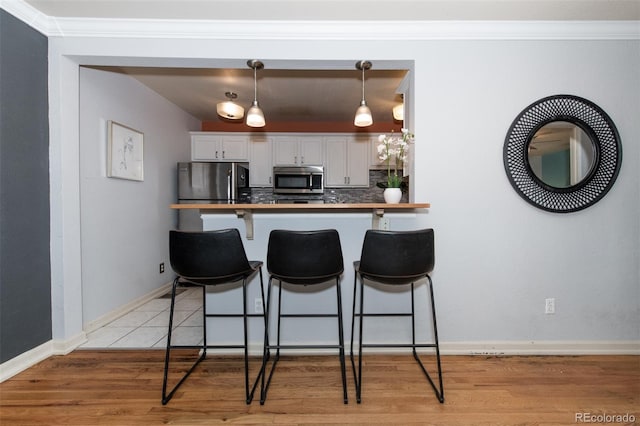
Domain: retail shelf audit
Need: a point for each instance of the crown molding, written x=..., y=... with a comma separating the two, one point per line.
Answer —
x=321, y=30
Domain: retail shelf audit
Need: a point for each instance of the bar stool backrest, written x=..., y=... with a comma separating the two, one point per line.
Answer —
x=397, y=257
x=304, y=257
x=208, y=257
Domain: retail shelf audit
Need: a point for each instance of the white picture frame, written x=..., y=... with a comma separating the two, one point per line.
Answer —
x=125, y=152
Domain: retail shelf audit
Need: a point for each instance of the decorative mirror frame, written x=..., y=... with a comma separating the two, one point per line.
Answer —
x=604, y=137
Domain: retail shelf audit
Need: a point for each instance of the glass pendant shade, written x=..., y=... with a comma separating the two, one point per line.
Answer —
x=255, y=116
x=363, y=115
x=230, y=110
x=398, y=112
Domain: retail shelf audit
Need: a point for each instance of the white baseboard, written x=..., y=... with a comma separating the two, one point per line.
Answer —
x=30, y=358
x=117, y=313
x=543, y=347
x=25, y=360
x=497, y=348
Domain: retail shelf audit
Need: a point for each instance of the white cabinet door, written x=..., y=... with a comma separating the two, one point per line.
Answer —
x=260, y=161
x=285, y=151
x=205, y=147
x=358, y=163
x=310, y=151
x=217, y=147
x=298, y=151
x=347, y=162
x=235, y=148
x=335, y=167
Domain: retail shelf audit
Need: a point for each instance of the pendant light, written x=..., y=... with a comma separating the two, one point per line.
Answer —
x=229, y=109
x=363, y=113
x=398, y=112
x=255, y=116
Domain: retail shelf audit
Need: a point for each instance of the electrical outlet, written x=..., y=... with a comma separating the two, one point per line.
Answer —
x=162, y=267
x=257, y=305
x=384, y=224
x=550, y=306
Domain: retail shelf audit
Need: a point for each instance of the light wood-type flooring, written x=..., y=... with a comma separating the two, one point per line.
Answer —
x=123, y=387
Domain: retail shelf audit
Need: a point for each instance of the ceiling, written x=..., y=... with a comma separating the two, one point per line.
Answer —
x=285, y=95
x=313, y=91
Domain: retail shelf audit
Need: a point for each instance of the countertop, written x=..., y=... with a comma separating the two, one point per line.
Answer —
x=301, y=206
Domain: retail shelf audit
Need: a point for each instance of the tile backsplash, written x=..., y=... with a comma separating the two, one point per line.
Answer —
x=372, y=194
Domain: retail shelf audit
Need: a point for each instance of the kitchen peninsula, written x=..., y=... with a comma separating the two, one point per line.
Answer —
x=246, y=211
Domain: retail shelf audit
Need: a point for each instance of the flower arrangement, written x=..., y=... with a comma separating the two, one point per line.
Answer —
x=394, y=147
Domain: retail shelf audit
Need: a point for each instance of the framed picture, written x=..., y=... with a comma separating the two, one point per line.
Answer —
x=125, y=152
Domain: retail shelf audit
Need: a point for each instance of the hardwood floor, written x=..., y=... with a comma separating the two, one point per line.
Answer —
x=123, y=387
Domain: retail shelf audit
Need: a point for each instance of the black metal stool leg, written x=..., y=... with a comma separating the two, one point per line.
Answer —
x=248, y=395
x=439, y=390
x=341, y=343
x=353, y=329
x=167, y=397
x=359, y=389
x=266, y=380
x=264, y=313
x=439, y=394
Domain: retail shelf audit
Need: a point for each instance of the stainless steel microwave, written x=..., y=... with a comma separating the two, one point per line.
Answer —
x=298, y=180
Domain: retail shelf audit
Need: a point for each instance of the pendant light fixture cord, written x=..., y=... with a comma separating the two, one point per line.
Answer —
x=363, y=84
x=255, y=84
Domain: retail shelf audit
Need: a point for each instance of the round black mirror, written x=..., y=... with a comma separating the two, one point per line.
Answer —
x=562, y=153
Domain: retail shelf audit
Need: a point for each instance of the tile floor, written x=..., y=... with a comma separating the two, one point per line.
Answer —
x=146, y=326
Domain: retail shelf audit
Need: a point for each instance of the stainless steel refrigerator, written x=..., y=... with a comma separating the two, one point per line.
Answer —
x=210, y=183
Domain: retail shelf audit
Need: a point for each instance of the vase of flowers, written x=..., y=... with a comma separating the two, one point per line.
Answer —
x=393, y=149
x=392, y=195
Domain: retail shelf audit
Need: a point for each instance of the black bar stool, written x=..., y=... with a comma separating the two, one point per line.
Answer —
x=207, y=259
x=395, y=258
x=301, y=258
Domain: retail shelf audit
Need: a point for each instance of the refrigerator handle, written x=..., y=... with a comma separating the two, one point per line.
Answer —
x=229, y=181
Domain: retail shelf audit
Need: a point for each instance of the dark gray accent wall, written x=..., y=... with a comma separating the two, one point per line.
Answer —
x=25, y=267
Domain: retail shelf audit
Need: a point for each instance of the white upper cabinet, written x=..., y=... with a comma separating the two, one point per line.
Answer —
x=260, y=161
x=206, y=146
x=298, y=150
x=347, y=161
x=346, y=157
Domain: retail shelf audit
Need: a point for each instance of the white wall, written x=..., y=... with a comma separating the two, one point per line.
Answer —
x=125, y=223
x=498, y=257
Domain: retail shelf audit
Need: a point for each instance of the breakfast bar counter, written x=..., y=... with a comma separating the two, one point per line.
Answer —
x=246, y=211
